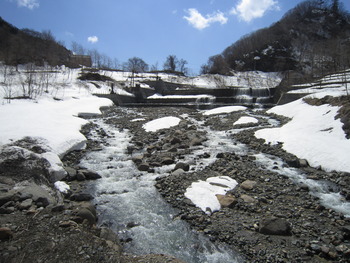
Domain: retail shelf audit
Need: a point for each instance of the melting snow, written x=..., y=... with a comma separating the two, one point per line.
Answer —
x=226, y=109
x=246, y=120
x=62, y=187
x=161, y=123
x=313, y=134
x=203, y=193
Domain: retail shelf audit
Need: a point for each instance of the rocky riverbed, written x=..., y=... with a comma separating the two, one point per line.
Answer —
x=266, y=218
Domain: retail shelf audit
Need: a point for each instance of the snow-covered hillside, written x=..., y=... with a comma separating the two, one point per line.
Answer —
x=314, y=133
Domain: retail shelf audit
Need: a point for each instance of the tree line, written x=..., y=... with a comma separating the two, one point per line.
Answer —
x=172, y=63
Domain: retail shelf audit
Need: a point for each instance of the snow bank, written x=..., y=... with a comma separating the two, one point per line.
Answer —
x=226, y=109
x=313, y=134
x=203, y=193
x=54, y=121
x=161, y=123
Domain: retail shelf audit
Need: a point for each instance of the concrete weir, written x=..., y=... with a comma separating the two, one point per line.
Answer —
x=173, y=94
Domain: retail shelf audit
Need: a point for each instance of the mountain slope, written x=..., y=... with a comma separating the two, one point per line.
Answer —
x=312, y=38
x=23, y=46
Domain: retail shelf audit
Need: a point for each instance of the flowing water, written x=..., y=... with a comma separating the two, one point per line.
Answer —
x=130, y=204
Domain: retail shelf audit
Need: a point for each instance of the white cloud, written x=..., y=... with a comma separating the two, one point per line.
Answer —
x=69, y=34
x=248, y=10
x=198, y=21
x=31, y=4
x=92, y=39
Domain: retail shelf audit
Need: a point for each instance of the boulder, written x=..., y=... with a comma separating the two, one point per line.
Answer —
x=90, y=175
x=85, y=214
x=303, y=163
x=196, y=141
x=26, y=204
x=178, y=172
x=167, y=161
x=143, y=167
x=71, y=173
x=183, y=166
x=80, y=177
x=21, y=164
x=226, y=200
x=5, y=233
x=39, y=193
x=248, y=185
x=247, y=199
x=275, y=226
x=293, y=162
x=7, y=197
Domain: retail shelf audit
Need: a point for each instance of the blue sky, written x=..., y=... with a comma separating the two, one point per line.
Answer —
x=192, y=30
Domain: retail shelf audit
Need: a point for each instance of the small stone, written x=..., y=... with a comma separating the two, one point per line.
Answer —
x=325, y=249
x=5, y=233
x=143, y=167
x=58, y=208
x=220, y=155
x=175, y=140
x=247, y=199
x=68, y=223
x=196, y=142
x=85, y=214
x=42, y=202
x=138, y=159
x=226, y=200
x=167, y=161
x=26, y=204
x=90, y=175
x=275, y=226
x=248, y=185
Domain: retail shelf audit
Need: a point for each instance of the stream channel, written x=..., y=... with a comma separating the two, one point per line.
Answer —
x=130, y=205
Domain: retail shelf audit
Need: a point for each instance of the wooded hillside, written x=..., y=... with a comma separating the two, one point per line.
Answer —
x=313, y=38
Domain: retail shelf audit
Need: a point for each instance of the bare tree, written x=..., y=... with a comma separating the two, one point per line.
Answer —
x=172, y=63
x=135, y=65
x=77, y=48
x=7, y=73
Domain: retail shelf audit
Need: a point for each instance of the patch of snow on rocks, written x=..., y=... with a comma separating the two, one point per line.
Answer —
x=226, y=109
x=246, y=120
x=203, y=193
x=161, y=123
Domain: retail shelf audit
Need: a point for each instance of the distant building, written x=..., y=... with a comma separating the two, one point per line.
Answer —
x=80, y=60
